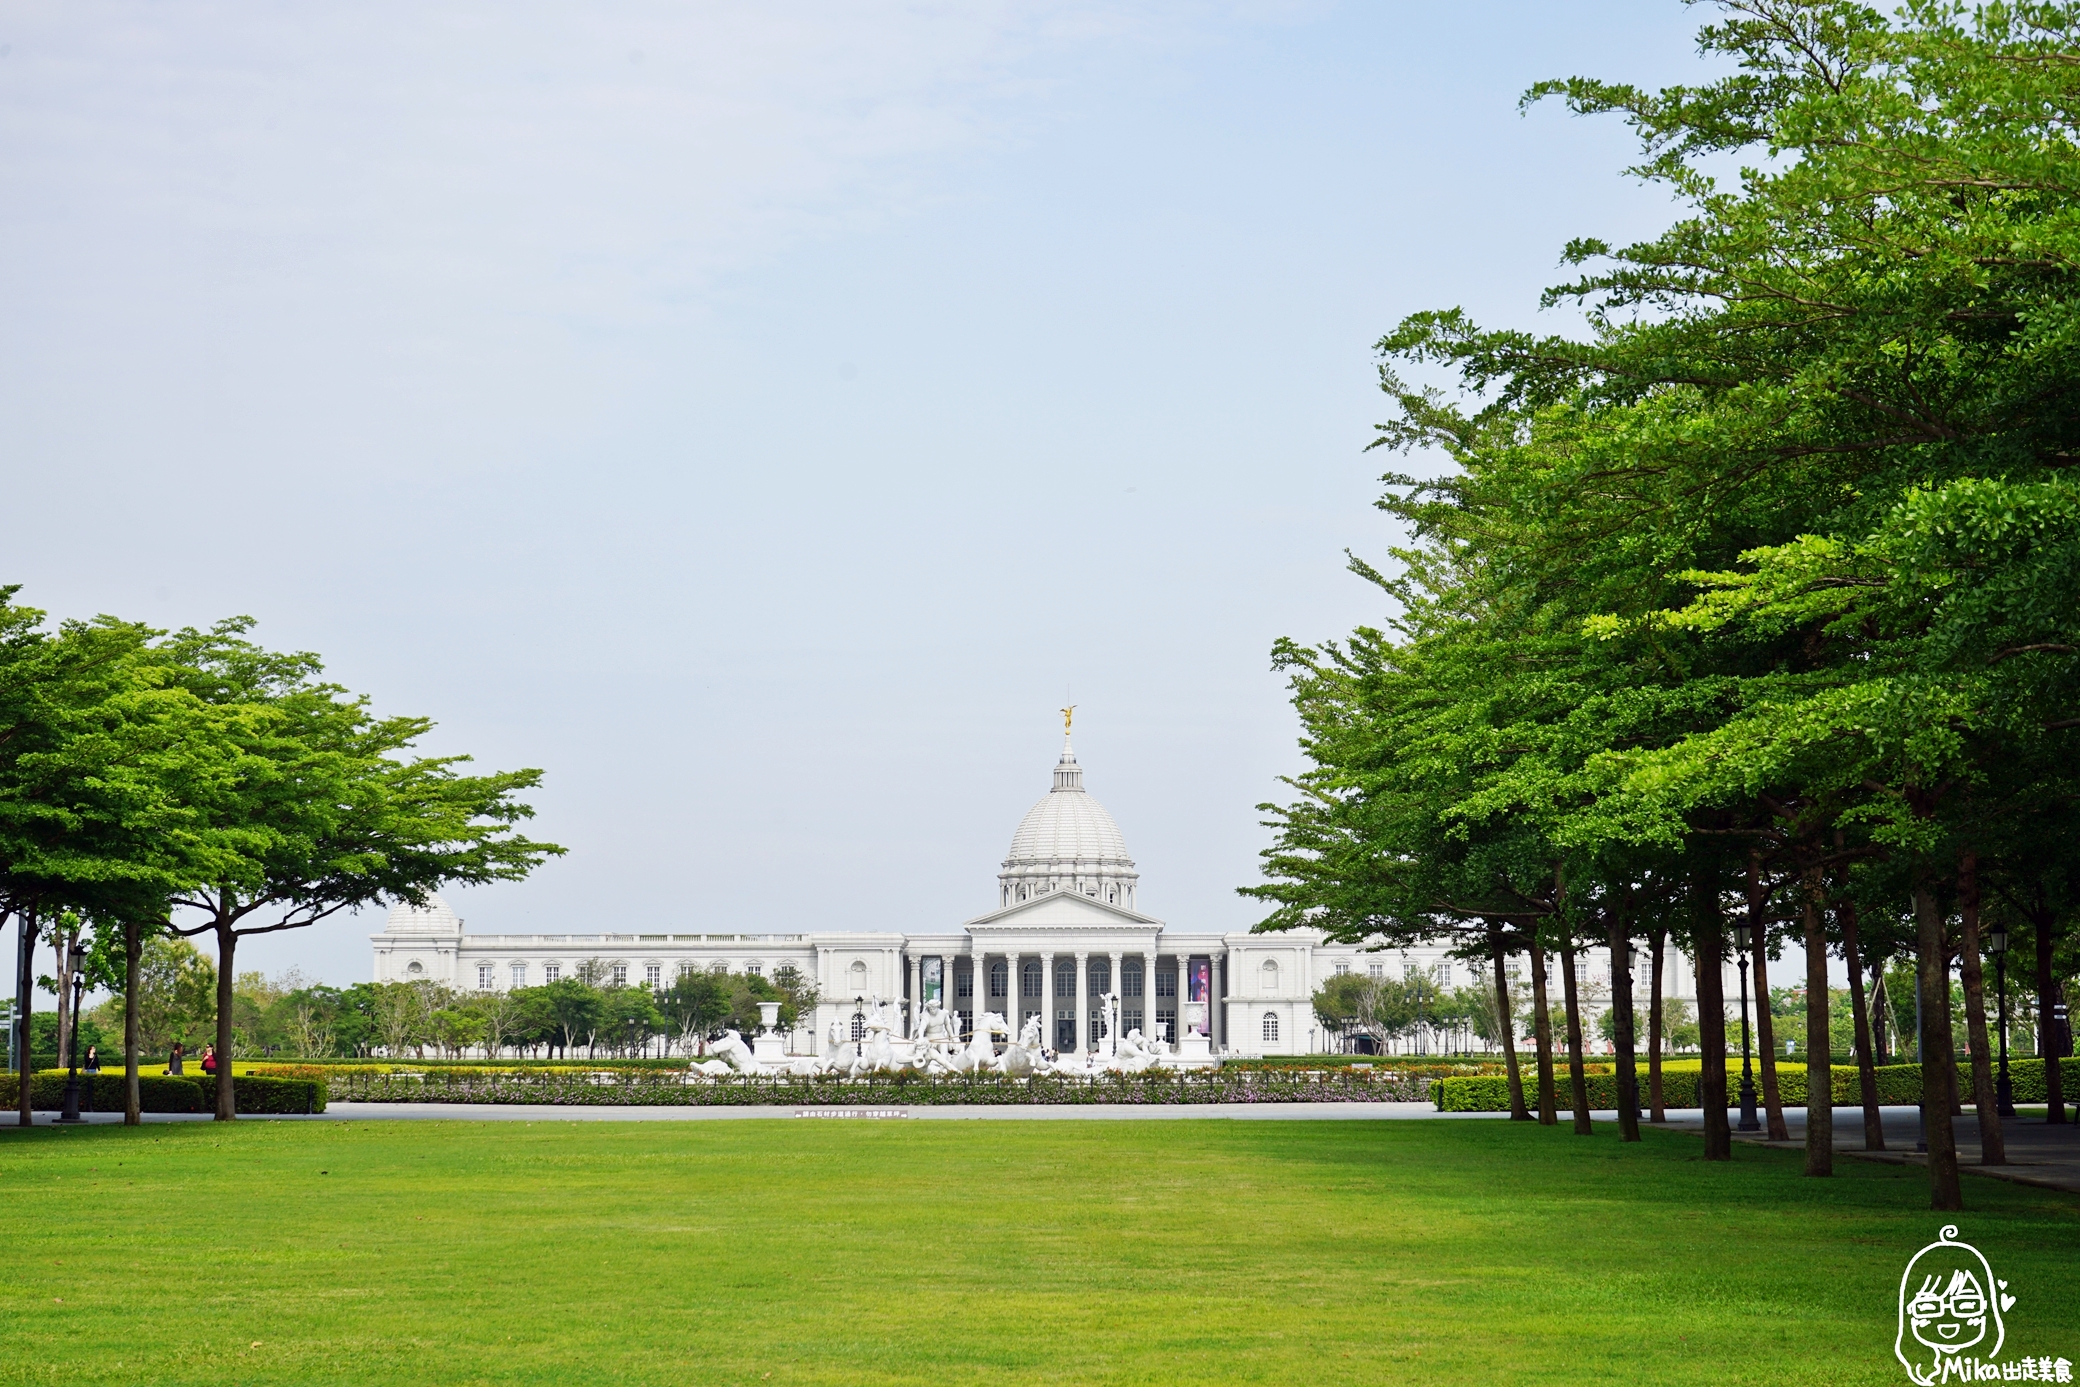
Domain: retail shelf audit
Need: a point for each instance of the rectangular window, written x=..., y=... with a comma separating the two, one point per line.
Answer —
x=620, y=975
x=1378, y=970
x=483, y=977
x=1130, y=1020
x=963, y=985
x=755, y=968
x=1166, y=984
x=1166, y=1023
x=519, y=975
x=1444, y=974
x=1409, y=972
x=1343, y=966
x=551, y=972
x=654, y=975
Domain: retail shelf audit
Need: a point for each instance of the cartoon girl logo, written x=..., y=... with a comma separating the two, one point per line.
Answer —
x=1949, y=1304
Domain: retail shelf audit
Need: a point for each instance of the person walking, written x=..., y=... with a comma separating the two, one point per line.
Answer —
x=173, y=1060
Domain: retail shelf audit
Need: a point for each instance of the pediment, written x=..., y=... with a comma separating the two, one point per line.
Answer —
x=1062, y=910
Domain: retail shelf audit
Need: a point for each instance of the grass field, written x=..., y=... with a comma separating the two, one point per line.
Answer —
x=756, y=1252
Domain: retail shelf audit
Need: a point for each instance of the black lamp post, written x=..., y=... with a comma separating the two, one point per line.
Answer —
x=1997, y=945
x=77, y=977
x=859, y=1027
x=1743, y=939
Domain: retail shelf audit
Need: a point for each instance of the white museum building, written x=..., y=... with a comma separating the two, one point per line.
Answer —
x=1067, y=929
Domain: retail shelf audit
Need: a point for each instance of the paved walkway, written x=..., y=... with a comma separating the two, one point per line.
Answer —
x=2038, y=1153
x=1036, y=1112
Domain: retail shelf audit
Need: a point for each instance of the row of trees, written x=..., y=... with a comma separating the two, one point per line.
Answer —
x=1755, y=605
x=197, y=784
x=291, y=1016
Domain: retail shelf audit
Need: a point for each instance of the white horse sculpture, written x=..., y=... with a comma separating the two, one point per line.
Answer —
x=1025, y=1055
x=876, y=1050
x=981, y=1055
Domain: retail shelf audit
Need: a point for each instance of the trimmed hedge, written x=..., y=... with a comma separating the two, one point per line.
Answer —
x=1156, y=1087
x=1898, y=1085
x=161, y=1093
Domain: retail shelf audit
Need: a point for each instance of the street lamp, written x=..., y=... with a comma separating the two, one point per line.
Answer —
x=1997, y=945
x=1743, y=939
x=76, y=975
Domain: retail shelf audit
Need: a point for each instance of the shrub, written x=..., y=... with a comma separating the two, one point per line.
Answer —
x=1898, y=1085
x=103, y=1092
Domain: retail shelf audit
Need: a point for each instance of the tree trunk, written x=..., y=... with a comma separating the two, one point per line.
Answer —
x=1881, y=1014
x=1765, y=1023
x=1819, y=1041
x=1711, y=1017
x=1943, y=1192
x=1577, y=1084
x=1621, y=1027
x=1866, y=1061
x=24, y=1009
x=1993, y=1146
x=133, y=952
x=2050, y=1039
x=1508, y=1021
x=61, y=944
x=227, y=1100
x=1654, y=1029
x=1542, y=1032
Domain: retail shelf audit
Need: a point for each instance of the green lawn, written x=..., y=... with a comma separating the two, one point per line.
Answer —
x=968, y=1252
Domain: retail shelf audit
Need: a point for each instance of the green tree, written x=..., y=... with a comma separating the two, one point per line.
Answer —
x=329, y=812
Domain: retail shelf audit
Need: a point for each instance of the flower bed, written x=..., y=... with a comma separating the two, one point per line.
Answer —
x=609, y=1088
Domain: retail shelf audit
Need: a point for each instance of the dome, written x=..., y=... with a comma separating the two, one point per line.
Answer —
x=1067, y=842
x=432, y=918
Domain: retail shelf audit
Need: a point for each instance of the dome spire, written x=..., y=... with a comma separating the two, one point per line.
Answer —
x=1067, y=774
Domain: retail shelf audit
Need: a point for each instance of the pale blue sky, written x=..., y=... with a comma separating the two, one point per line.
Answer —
x=757, y=415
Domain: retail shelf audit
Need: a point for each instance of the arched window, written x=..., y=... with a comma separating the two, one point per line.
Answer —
x=1271, y=1027
x=1030, y=978
x=1130, y=978
x=1065, y=979
x=999, y=978
x=1101, y=976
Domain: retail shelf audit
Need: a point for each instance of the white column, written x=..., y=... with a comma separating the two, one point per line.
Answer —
x=1148, y=996
x=1083, y=1003
x=1047, y=1001
x=916, y=998
x=1216, y=999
